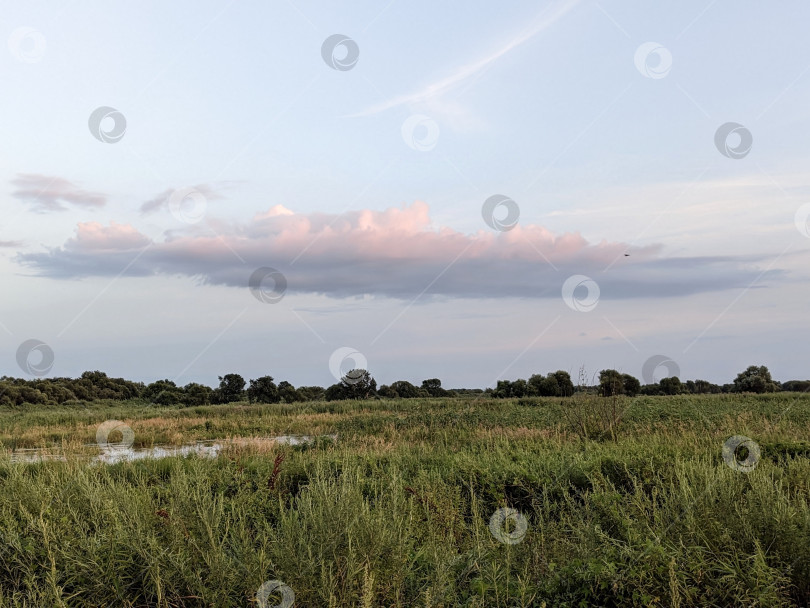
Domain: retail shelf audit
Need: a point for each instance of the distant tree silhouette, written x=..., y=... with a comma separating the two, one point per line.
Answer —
x=356, y=384
x=755, y=380
x=564, y=383
x=611, y=383
x=163, y=392
x=434, y=387
x=197, y=394
x=312, y=393
x=671, y=386
x=796, y=385
x=288, y=394
x=263, y=390
x=231, y=388
x=387, y=392
x=405, y=389
x=631, y=385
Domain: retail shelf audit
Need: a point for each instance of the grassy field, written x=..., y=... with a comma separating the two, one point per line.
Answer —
x=398, y=509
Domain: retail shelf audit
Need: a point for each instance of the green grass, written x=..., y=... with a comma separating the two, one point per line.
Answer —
x=395, y=512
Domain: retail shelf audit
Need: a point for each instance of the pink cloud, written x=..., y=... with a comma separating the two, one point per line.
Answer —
x=47, y=193
x=94, y=237
x=396, y=252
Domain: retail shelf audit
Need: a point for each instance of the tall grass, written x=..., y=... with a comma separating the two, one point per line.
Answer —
x=396, y=511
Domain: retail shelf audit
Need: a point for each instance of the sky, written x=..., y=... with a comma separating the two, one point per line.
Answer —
x=472, y=191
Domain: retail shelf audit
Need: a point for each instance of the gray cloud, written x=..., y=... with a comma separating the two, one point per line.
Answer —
x=392, y=253
x=47, y=193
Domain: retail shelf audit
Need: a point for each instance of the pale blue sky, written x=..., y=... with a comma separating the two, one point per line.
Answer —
x=541, y=102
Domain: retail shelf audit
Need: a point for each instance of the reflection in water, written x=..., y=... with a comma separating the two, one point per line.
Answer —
x=202, y=449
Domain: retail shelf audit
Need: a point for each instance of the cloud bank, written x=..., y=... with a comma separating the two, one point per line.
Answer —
x=394, y=253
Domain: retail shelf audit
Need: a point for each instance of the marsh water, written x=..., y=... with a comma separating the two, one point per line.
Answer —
x=112, y=454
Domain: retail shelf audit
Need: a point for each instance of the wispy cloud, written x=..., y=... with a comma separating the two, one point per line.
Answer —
x=161, y=201
x=546, y=19
x=47, y=193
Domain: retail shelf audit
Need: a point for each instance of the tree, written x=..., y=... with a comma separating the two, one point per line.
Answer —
x=503, y=390
x=704, y=386
x=755, y=380
x=564, y=383
x=231, y=388
x=263, y=390
x=611, y=383
x=356, y=384
x=169, y=397
x=405, y=389
x=434, y=387
x=387, y=392
x=197, y=394
x=796, y=385
x=153, y=390
x=311, y=393
x=519, y=388
x=359, y=384
x=631, y=385
x=287, y=392
x=671, y=386
x=543, y=386
x=335, y=392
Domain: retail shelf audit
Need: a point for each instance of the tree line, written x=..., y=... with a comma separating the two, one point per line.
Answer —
x=360, y=384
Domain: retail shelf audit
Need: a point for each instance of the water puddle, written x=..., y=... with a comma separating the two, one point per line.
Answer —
x=202, y=449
